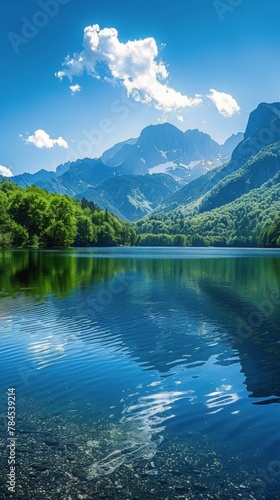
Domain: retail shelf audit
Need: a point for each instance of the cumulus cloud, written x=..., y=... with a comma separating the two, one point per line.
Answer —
x=42, y=140
x=75, y=88
x=6, y=172
x=133, y=64
x=225, y=103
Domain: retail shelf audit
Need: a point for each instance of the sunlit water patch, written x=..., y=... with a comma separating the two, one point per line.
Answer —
x=138, y=433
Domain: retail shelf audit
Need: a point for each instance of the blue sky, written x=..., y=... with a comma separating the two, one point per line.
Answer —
x=166, y=55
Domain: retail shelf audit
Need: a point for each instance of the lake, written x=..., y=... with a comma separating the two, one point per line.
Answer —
x=149, y=373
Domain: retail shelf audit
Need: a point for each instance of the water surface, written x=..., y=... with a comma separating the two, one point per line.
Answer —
x=149, y=373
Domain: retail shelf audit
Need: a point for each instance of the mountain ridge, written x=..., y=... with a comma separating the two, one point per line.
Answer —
x=133, y=195
x=142, y=156
x=234, y=202
x=264, y=127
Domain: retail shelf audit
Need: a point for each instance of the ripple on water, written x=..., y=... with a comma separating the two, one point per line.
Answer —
x=137, y=435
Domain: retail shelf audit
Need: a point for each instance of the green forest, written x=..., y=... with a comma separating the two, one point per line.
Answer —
x=270, y=236
x=33, y=217
x=249, y=221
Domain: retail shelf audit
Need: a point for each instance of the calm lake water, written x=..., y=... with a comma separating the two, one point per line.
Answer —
x=142, y=373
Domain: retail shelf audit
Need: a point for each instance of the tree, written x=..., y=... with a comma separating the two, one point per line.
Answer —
x=85, y=234
x=106, y=235
x=62, y=229
x=270, y=236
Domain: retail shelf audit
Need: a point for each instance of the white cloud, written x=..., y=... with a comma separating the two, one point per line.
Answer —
x=225, y=103
x=75, y=88
x=180, y=118
x=41, y=140
x=133, y=64
x=6, y=172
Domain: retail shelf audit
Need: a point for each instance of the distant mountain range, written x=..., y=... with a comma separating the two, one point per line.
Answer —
x=166, y=145
x=133, y=195
x=133, y=177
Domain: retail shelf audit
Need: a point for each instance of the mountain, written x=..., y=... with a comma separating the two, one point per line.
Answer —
x=258, y=170
x=128, y=161
x=263, y=129
x=78, y=177
x=160, y=149
x=232, y=203
x=132, y=197
x=192, y=191
x=201, y=145
x=157, y=144
x=231, y=143
x=61, y=169
x=41, y=176
x=186, y=174
x=164, y=148
x=161, y=143
x=264, y=121
x=110, y=153
x=26, y=179
x=241, y=222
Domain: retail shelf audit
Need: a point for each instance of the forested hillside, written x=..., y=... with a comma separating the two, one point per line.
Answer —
x=236, y=204
x=35, y=218
x=270, y=236
x=239, y=223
